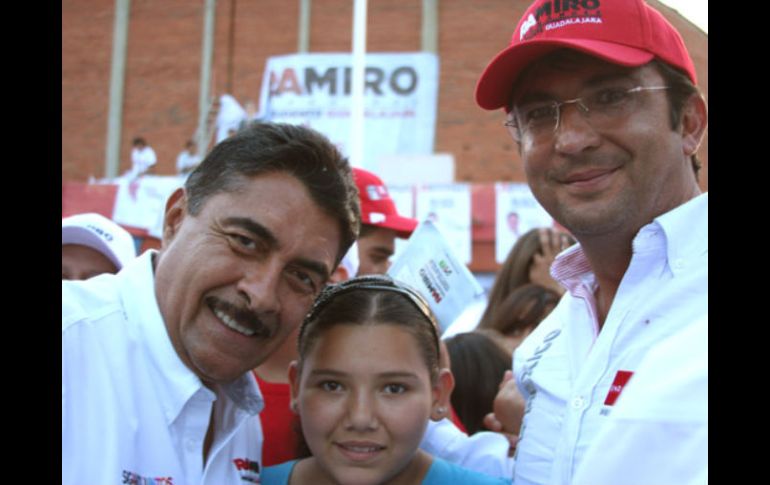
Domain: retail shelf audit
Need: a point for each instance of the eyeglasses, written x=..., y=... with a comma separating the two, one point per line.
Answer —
x=602, y=107
x=377, y=283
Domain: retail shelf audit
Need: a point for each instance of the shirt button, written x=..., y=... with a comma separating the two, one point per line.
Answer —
x=190, y=445
x=578, y=403
x=679, y=263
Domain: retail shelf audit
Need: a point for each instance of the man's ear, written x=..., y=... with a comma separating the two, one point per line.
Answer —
x=442, y=391
x=294, y=386
x=176, y=210
x=694, y=122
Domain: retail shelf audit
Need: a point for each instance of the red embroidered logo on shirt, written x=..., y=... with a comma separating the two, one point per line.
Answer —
x=621, y=379
x=249, y=469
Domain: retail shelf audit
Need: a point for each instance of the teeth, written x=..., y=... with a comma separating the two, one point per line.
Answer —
x=363, y=449
x=231, y=323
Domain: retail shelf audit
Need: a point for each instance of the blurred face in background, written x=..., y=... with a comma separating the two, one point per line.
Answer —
x=80, y=262
x=375, y=249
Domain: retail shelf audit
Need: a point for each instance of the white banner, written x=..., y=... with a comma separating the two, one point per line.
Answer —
x=430, y=265
x=400, y=96
x=517, y=211
x=448, y=206
x=141, y=203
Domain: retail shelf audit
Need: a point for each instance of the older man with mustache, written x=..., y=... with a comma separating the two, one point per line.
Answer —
x=156, y=381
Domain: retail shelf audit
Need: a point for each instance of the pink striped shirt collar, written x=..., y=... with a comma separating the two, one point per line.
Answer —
x=571, y=269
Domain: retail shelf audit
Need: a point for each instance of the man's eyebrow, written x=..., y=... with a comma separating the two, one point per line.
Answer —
x=255, y=228
x=265, y=235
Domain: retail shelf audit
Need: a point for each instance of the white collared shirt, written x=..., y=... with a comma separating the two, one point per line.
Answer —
x=131, y=410
x=484, y=451
x=142, y=159
x=658, y=430
x=570, y=373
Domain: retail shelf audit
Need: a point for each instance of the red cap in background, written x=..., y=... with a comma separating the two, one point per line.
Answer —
x=377, y=207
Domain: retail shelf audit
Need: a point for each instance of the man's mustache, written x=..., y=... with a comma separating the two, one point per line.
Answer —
x=244, y=316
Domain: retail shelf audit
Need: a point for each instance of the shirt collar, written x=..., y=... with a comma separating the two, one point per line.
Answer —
x=687, y=232
x=571, y=268
x=178, y=383
x=684, y=232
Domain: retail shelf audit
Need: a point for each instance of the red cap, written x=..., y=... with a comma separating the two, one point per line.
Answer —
x=625, y=32
x=377, y=207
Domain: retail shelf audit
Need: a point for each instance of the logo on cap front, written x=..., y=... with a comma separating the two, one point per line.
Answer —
x=98, y=230
x=376, y=192
x=555, y=14
x=528, y=24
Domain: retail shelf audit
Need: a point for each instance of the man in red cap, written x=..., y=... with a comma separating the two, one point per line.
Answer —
x=380, y=224
x=600, y=97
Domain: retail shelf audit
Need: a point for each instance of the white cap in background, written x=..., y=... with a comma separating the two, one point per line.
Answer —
x=99, y=233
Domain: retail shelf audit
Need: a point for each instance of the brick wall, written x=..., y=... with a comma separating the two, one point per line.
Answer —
x=163, y=70
x=86, y=52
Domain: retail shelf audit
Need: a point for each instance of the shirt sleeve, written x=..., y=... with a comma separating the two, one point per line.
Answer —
x=485, y=451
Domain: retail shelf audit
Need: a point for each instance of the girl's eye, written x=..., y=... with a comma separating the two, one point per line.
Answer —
x=331, y=386
x=394, y=389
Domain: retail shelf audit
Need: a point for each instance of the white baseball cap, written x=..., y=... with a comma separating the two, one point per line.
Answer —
x=99, y=233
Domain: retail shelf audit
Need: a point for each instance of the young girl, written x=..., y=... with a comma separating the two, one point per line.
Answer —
x=366, y=383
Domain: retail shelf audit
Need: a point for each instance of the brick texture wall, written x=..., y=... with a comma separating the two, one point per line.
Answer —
x=163, y=70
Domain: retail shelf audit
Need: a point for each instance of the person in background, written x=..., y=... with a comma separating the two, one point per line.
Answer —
x=251, y=114
x=229, y=115
x=478, y=364
x=365, y=386
x=156, y=360
x=380, y=224
x=187, y=159
x=92, y=245
x=142, y=158
x=605, y=111
x=528, y=261
x=520, y=313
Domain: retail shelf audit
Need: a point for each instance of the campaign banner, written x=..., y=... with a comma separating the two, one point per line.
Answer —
x=141, y=203
x=517, y=211
x=400, y=98
x=448, y=206
x=430, y=265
